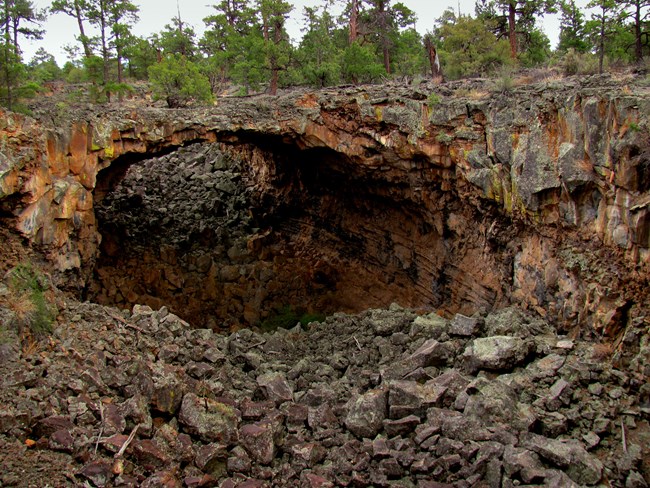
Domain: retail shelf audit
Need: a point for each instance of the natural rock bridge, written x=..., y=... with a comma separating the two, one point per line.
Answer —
x=345, y=199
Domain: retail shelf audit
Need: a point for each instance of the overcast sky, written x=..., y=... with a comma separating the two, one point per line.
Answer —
x=154, y=14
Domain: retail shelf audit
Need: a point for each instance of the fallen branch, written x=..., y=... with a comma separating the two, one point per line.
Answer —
x=120, y=453
x=122, y=321
x=101, y=427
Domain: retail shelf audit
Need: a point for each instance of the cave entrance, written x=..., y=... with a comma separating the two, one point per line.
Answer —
x=227, y=236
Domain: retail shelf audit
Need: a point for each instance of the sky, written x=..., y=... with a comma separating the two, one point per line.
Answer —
x=154, y=14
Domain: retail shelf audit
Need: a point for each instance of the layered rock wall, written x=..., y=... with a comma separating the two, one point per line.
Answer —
x=461, y=201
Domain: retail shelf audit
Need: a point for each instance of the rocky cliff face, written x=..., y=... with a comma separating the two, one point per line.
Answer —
x=464, y=200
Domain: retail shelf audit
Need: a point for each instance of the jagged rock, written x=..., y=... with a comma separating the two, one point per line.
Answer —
x=431, y=353
x=465, y=326
x=275, y=387
x=366, y=413
x=212, y=421
x=495, y=353
x=569, y=454
x=61, y=440
x=149, y=454
x=211, y=459
x=307, y=455
x=239, y=461
x=258, y=440
x=99, y=472
x=409, y=397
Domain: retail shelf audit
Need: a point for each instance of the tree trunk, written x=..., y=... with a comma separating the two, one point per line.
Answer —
x=434, y=61
x=512, y=28
x=275, y=69
x=601, y=44
x=354, y=21
x=383, y=33
x=82, y=32
x=102, y=28
x=7, y=48
x=638, y=45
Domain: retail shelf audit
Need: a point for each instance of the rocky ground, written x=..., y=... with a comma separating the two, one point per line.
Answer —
x=383, y=398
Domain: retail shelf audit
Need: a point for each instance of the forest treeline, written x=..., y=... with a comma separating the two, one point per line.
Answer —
x=245, y=45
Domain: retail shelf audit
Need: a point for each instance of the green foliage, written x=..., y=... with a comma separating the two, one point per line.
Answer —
x=504, y=81
x=360, y=65
x=43, y=68
x=318, y=56
x=572, y=28
x=577, y=63
x=410, y=58
x=433, y=99
x=27, y=283
x=179, y=81
x=468, y=48
x=538, y=49
x=287, y=317
x=444, y=138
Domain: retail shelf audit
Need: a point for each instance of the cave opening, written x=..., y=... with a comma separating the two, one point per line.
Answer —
x=233, y=235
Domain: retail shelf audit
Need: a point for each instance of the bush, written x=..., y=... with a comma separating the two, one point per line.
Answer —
x=179, y=81
x=576, y=63
x=29, y=303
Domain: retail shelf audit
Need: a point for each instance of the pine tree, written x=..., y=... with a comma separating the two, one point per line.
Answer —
x=513, y=17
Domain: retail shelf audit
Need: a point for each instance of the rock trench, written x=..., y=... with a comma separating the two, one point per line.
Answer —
x=382, y=398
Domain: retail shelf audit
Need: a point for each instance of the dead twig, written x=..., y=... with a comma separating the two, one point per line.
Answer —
x=120, y=453
x=101, y=427
x=624, y=437
x=357, y=341
x=255, y=345
x=122, y=321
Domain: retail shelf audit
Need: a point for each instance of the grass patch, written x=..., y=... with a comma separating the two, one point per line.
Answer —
x=287, y=317
x=28, y=299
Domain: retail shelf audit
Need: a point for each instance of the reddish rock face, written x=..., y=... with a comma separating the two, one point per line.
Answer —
x=368, y=196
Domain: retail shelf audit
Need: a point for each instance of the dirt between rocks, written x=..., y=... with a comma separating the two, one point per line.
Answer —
x=382, y=398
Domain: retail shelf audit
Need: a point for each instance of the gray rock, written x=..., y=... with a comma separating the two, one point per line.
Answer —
x=258, y=441
x=466, y=326
x=366, y=413
x=431, y=353
x=410, y=397
x=569, y=455
x=212, y=421
x=494, y=402
x=275, y=387
x=497, y=353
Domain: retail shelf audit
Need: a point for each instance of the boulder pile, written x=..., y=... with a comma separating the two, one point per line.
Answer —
x=383, y=398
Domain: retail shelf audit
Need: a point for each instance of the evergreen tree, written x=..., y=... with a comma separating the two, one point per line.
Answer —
x=12, y=70
x=177, y=38
x=77, y=9
x=318, y=55
x=514, y=17
x=604, y=23
x=572, y=28
x=222, y=41
x=179, y=81
x=43, y=67
x=467, y=47
x=277, y=48
x=638, y=11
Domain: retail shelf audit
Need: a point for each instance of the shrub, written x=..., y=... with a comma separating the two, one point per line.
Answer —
x=29, y=303
x=576, y=63
x=179, y=81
